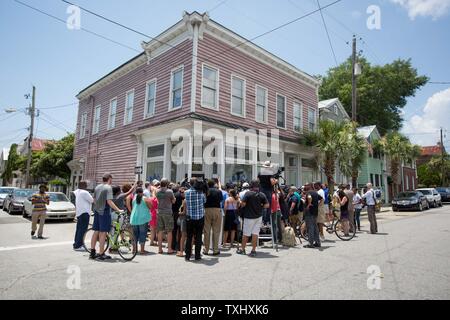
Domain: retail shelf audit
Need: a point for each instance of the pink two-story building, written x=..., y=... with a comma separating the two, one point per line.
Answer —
x=195, y=78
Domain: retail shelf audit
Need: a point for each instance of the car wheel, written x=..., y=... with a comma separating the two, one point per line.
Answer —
x=10, y=211
x=420, y=207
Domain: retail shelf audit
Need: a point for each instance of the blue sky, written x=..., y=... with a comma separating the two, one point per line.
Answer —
x=60, y=62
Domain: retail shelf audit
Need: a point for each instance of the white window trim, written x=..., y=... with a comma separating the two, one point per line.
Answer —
x=276, y=111
x=109, y=114
x=181, y=67
x=315, y=118
x=83, y=119
x=146, y=115
x=301, y=116
x=126, y=108
x=244, y=93
x=95, y=130
x=267, y=104
x=217, y=87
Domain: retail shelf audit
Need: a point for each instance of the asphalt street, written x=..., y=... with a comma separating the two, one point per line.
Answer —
x=410, y=258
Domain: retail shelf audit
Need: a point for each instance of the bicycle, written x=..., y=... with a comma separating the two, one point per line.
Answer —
x=120, y=238
x=336, y=226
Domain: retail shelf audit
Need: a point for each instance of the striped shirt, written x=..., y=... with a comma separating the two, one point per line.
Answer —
x=195, y=204
x=40, y=202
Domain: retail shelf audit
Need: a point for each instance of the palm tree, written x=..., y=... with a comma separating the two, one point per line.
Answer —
x=398, y=148
x=330, y=140
x=356, y=147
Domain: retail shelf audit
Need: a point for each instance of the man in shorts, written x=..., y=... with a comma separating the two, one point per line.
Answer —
x=103, y=203
x=252, y=209
x=166, y=199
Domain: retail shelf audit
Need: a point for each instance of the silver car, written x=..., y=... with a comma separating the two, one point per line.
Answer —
x=433, y=197
x=4, y=192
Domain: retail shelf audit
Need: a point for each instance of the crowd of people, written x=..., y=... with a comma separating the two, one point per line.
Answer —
x=197, y=212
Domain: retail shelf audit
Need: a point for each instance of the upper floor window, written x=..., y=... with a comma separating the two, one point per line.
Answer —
x=129, y=104
x=96, y=123
x=312, y=121
x=83, y=123
x=297, y=117
x=210, y=82
x=261, y=104
x=112, y=114
x=150, y=99
x=281, y=111
x=176, y=88
x=237, y=96
x=335, y=109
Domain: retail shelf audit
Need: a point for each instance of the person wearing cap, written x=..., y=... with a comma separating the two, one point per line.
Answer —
x=39, y=201
x=245, y=189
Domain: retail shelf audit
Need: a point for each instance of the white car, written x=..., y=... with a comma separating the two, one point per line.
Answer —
x=433, y=196
x=60, y=207
x=4, y=192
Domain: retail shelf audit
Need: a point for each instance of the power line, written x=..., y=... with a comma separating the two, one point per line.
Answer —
x=81, y=28
x=60, y=106
x=217, y=6
x=328, y=34
x=437, y=82
x=57, y=122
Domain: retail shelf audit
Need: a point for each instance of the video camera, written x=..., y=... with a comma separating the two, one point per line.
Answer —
x=279, y=172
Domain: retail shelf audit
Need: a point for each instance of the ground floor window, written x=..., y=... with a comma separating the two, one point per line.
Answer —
x=238, y=172
x=155, y=170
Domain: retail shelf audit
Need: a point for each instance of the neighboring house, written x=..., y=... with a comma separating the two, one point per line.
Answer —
x=333, y=110
x=3, y=161
x=37, y=144
x=196, y=72
x=374, y=168
x=429, y=152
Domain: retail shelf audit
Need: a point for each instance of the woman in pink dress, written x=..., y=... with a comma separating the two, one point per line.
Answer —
x=154, y=222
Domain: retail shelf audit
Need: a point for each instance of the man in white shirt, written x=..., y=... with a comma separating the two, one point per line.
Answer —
x=83, y=204
x=369, y=198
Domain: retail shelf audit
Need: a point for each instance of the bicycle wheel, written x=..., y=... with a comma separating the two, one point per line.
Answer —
x=344, y=230
x=304, y=230
x=125, y=244
x=87, y=241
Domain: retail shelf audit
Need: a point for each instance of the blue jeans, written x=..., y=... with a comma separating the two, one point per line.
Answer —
x=357, y=221
x=313, y=229
x=82, y=225
x=140, y=232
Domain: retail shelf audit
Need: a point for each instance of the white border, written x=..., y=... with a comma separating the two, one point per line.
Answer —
x=109, y=114
x=126, y=105
x=267, y=104
x=217, y=87
x=147, y=83
x=276, y=111
x=244, y=93
x=180, y=67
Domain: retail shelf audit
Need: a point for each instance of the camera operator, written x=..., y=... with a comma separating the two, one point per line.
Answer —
x=267, y=182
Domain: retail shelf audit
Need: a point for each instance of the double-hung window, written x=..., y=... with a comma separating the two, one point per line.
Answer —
x=312, y=120
x=281, y=111
x=297, y=117
x=261, y=104
x=176, y=88
x=83, y=123
x=237, y=96
x=210, y=90
x=96, y=123
x=150, y=99
x=129, y=103
x=112, y=114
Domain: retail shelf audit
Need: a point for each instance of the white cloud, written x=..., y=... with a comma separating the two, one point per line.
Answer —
x=436, y=114
x=424, y=8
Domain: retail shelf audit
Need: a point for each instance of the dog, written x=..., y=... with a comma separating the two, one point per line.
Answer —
x=289, y=237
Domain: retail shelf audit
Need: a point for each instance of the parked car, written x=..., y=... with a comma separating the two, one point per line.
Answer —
x=433, y=197
x=13, y=202
x=410, y=200
x=60, y=207
x=4, y=192
x=445, y=193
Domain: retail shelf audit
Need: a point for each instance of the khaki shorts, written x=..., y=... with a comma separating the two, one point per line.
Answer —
x=165, y=222
x=322, y=217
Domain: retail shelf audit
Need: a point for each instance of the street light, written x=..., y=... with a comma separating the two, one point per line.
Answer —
x=10, y=110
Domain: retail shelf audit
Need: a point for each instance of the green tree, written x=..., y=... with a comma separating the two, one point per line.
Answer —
x=382, y=91
x=428, y=177
x=441, y=166
x=356, y=154
x=12, y=164
x=398, y=148
x=52, y=161
x=330, y=141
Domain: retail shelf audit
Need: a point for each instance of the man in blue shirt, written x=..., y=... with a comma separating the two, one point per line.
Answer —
x=195, y=217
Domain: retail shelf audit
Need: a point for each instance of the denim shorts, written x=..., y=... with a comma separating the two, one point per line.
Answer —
x=102, y=222
x=140, y=232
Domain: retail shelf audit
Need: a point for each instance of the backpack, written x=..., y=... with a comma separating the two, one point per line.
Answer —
x=289, y=237
x=299, y=202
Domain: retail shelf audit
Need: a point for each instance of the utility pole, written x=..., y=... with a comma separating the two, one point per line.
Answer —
x=442, y=159
x=30, y=137
x=354, y=79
